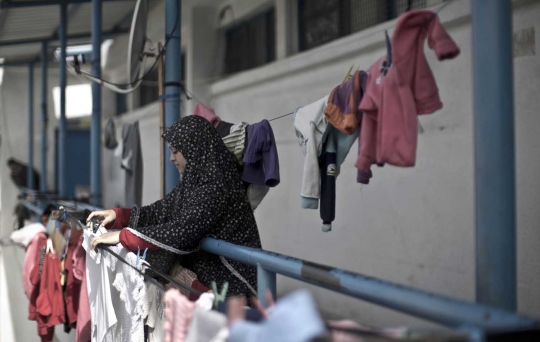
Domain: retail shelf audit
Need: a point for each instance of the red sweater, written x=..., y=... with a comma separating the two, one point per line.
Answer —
x=50, y=301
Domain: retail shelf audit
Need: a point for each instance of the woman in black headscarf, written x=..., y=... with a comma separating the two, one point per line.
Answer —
x=209, y=201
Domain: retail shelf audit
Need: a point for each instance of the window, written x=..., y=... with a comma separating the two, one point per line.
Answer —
x=250, y=43
x=321, y=21
x=78, y=101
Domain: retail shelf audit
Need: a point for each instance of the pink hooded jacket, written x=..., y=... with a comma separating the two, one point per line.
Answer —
x=392, y=102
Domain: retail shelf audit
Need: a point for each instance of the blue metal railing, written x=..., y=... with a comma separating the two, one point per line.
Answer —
x=476, y=320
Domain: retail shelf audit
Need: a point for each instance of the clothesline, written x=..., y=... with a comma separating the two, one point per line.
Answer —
x=173, y=281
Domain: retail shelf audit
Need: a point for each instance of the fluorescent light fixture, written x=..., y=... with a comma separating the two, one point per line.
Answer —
x=85, y=49
x=78, y=101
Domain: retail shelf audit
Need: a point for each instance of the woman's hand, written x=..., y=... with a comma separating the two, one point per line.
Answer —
x=260, y=307
x=111, y=238
x=106, y=216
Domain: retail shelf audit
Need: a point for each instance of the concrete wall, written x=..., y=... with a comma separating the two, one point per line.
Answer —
x=411, y=226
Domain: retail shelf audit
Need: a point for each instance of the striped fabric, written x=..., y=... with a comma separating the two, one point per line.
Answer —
x=236, y=141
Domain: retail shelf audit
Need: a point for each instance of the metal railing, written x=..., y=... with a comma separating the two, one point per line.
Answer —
x=478, y=321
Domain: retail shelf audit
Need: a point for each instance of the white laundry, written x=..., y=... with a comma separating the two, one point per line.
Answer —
x=116, y=294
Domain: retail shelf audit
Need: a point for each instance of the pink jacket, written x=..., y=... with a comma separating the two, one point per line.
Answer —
x=392, y=102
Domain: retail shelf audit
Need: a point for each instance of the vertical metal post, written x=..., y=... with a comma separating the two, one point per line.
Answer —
x=44, y=118
x=30, y=178
x=173, y=72
x=494, y=153
x=95, y=143
x=62, y=190
x=266, y=280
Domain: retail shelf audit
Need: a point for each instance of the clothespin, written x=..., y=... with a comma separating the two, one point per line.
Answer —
x=138, y=255
x=219, y=297
x=50, y=248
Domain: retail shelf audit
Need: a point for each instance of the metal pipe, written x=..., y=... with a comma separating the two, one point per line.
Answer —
x=95, y=143
x=266, y=280
x=494, y=153
x=432, y=307
x=62, y=190
x=30, y=176
x=44, y=118
x=173, y=72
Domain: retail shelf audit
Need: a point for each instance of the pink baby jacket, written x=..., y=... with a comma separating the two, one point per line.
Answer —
x=396, y=94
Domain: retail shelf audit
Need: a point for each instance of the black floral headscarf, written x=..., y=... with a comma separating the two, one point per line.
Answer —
x=210, y=201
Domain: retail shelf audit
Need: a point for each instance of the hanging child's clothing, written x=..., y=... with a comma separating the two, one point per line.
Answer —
x=178, y=313
x=207, y=113
x=261, y=162
x=401, y=89
x=49, y=303
x=83, y=330
x=73, y=286
x=236, y=141
x=154, y=312
x=31, y=260
x=116, y=294
x=310, y=126
x=25, y=235
x=342, y=108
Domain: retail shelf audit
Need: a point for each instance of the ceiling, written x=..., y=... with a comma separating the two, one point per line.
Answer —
x=26, y=24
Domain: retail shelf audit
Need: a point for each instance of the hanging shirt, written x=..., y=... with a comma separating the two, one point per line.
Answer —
x=261, y=162
x=224, y=128
x=178, y=312
x=84, y=330
x=31, y=260
x=154, y=307
x=73, y=286
x=342, y=108
x=132, y=163
x=24, y=235
x=116, y=294
x=236, y=141
x=50, y=301
x=310, y=126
